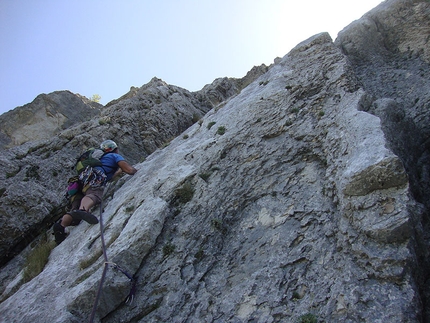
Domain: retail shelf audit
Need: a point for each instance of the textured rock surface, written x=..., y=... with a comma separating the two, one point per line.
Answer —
x=52, y=112
x=389, y=52
x=33, y=175
x=297, y=195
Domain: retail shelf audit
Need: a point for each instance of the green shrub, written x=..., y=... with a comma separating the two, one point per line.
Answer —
x=11, y=174
x=96, y=98
x=129, y=209
x=211, y=124
x=308, y=318
x=218, y=225
x=165, y=144
x=221, y=130
x=199, y=254
x=105, y=120
x=33, y=172
x=185, y=193
x=296, y=296
x=168, y=249
x=205, y=176
x=37, y=259
x=196, y=118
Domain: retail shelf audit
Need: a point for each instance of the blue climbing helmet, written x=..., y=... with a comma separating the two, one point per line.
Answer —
x=108, y=145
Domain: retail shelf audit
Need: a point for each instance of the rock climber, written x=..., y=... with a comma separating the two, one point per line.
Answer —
x=112, y=165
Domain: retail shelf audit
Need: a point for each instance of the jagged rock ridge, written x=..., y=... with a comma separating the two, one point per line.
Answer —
x=33, y=174
x=52, y=112
x=299, y=206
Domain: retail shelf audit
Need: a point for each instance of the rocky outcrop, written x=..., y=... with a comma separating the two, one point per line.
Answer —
x=33, y=175
x=394, y=71
x=389, y=52
x=52, y=112
x=224, y=88
x=294, y=196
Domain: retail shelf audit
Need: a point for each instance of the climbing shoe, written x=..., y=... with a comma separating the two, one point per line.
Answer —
x=59, y=233
x=84, y=215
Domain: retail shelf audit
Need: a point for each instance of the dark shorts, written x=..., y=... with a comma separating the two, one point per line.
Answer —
x=96, y=194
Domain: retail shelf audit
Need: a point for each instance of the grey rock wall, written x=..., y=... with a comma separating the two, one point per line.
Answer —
x=299, y=194
x=389, y=52
x=34, y=175
x=52, y=112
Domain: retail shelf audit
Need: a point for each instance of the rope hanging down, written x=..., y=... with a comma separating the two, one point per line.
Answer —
x=133, y=279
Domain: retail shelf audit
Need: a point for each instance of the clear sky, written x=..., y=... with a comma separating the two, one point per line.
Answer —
x=106, y=46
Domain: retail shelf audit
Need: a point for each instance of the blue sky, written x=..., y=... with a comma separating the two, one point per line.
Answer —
x=106, y=46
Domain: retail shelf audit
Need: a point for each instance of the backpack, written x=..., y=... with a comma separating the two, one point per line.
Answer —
x=89, y=158
x=89, y=176
x=73, y=186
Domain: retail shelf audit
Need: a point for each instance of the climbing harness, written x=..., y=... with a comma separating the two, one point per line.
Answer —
x=133, y=279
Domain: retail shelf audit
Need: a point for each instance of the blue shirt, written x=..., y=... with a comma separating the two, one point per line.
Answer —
x=110, y=164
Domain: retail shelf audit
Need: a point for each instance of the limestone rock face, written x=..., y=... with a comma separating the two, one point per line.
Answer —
x=297, y=193
x=34, y=175
x=389, y=52
x=52, y=112
x=390, y=55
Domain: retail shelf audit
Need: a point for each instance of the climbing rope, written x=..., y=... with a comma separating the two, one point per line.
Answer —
x=133, y=279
